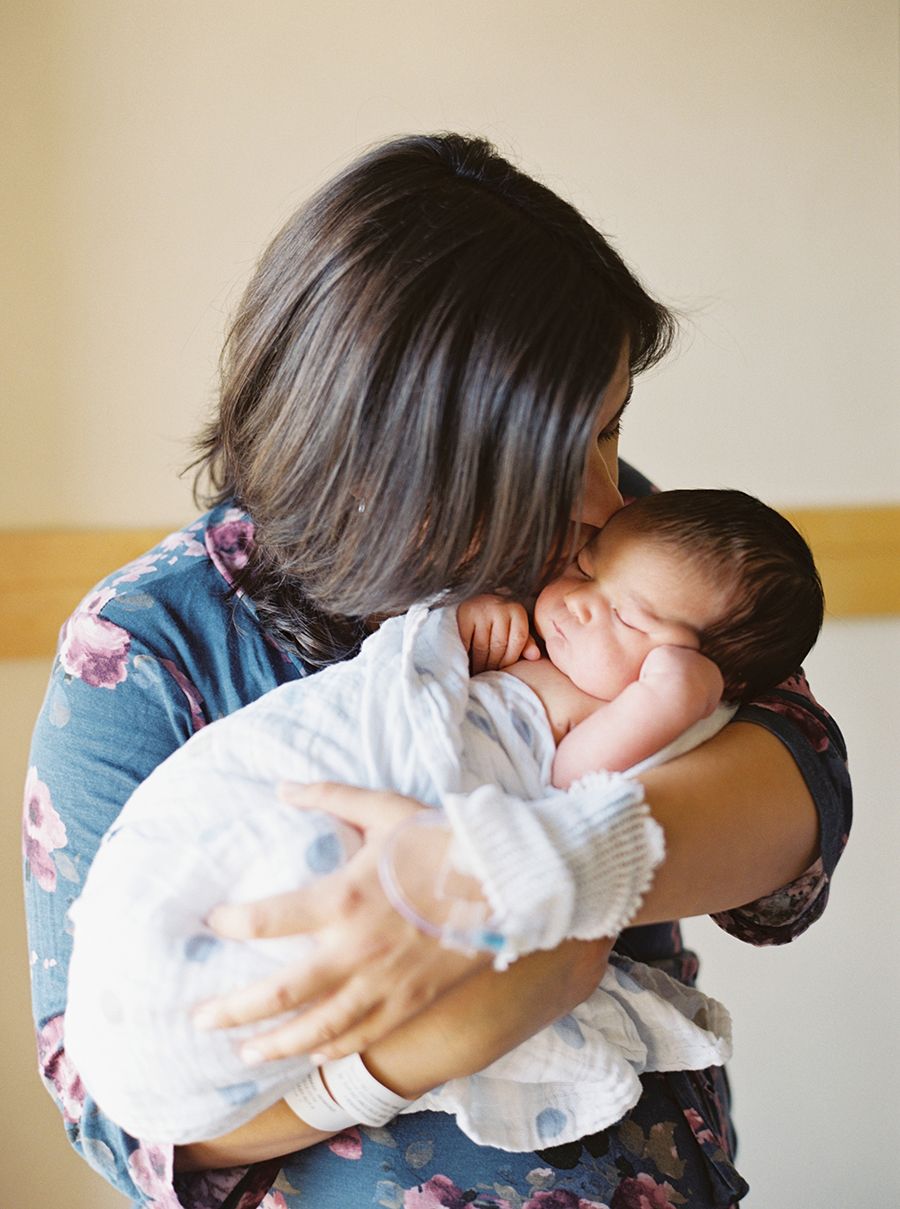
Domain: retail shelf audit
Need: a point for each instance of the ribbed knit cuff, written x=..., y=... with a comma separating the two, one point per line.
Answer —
x=574, y=864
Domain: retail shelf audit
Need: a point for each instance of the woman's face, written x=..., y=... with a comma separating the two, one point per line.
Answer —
x=601, y=491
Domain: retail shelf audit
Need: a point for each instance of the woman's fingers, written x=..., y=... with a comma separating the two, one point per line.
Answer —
x=333, y=1030
x=362, y=808
x=316, y=906
x=370, y=969
x=356, y=1014
x=281, y=915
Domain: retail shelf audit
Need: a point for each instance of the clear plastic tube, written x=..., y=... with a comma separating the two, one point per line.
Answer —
x=424, y=885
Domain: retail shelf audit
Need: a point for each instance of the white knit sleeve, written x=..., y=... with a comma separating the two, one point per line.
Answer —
x=574, y=864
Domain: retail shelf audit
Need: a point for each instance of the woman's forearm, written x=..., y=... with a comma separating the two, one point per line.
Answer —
x=739, y=823
x=476, y=1022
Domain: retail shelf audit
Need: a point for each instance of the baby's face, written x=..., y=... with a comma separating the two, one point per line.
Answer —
x=624, y=595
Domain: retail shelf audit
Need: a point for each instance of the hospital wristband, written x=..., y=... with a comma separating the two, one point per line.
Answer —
x=312, y=1103
x=358, y=1091
x=352, y=1096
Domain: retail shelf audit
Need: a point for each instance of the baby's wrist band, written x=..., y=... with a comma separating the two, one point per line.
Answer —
x=352, y=1096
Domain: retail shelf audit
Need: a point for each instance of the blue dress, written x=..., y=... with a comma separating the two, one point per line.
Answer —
x=164, y=646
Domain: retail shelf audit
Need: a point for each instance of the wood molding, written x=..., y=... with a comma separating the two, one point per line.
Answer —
x=857, y=551
x=45, y=573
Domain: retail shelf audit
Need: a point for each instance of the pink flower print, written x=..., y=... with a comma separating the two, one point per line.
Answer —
x=441, y=1193
x=229, y=543
x=183, y=538
x=641, y=1193
x=438, y=1193
x=193, y=694
x=273, y=1200
x=347, y=1144
x=560, y=1198
x=94, y=649
x=134, y=570
x=42, y=831
x=97, y=600
x=151, y=1170
x=58, y=1072
x=698, y=1126
x=808, y=725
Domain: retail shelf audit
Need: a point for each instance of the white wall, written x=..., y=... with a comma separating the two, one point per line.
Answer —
x=817, y=1048
x=743, y=154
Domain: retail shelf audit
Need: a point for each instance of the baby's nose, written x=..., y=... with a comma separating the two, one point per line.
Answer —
x=578, y=602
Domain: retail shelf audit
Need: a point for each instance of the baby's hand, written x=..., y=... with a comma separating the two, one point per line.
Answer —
x=494, y=631
x=678, y=669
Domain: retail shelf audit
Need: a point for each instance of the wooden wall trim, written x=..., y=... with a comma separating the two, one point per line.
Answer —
x=45, y=573
x=857, y=551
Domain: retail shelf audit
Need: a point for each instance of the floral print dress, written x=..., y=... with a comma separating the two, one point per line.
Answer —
x=164, y=646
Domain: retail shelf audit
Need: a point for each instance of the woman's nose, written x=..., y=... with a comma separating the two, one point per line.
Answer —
x=601, y=492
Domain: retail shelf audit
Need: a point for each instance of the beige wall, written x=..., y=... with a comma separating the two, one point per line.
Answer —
x=744, y=155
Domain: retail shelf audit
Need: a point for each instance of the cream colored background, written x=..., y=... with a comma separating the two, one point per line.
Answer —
x=744, y=156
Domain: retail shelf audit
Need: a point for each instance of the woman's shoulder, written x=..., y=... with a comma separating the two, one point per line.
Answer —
x=632, y=484
x=210, y=551
x=177, y=605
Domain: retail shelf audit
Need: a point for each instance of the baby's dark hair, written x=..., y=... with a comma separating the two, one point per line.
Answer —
x=777, y=605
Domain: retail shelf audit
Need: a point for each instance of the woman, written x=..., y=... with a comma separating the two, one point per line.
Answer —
x=421, y=391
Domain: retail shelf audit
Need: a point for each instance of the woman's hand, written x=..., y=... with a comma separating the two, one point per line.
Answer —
x=370, y=971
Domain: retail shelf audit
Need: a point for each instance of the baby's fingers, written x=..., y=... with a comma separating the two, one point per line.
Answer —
x=532, y=650
x=516, y=638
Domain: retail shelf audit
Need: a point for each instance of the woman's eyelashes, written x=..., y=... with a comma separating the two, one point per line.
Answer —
x=611, y=432
x=614, y=428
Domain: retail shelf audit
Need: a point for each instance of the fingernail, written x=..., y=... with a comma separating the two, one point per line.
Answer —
x=250, y=1056
x=204, y=1018
x=318, y=1059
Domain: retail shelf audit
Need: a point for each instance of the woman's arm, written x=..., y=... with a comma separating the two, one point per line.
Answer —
x=739, y=821
x=467, y=1029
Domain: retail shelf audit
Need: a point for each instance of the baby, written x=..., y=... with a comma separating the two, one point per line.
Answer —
x=682, y=596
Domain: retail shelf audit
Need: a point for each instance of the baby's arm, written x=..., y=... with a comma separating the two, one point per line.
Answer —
x=676, y=688
x=495, y=632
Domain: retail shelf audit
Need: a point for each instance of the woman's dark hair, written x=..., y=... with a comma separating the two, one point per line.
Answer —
x=777, y=603
x=410, y=384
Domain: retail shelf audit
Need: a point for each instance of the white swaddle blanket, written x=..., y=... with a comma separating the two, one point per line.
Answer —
x=207, y=827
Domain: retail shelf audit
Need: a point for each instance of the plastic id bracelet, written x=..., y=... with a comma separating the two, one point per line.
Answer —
x=351, y=1096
